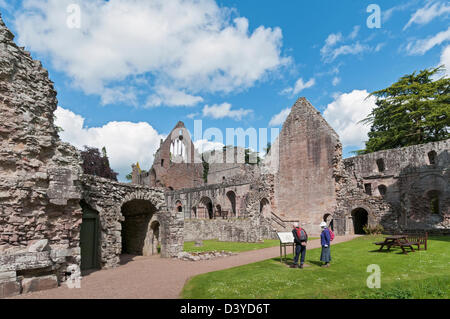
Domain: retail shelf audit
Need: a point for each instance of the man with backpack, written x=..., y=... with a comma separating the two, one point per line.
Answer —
x=300, y=240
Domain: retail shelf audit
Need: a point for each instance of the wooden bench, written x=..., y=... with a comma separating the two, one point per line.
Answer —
x=418, y=240
x=406, y=244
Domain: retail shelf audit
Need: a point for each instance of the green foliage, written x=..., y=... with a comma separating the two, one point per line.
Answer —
x=376, y=230
x=414, y=110
x=252, y=158
x=97, y=164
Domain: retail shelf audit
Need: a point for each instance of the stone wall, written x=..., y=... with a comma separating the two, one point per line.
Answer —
x=393, y=186
x=228, y=230
x=305, y=153
x=176, y=165
x=108, y=199
x=39, y=175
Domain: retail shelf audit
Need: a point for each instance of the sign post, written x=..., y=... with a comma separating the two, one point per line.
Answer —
x=286, y=239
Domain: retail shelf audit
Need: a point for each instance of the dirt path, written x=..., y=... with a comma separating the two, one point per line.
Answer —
x=156, y=278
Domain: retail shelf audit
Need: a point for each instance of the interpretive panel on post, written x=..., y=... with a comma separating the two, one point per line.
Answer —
x=286, y=237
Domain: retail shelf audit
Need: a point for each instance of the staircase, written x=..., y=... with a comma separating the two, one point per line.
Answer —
x=280, y=225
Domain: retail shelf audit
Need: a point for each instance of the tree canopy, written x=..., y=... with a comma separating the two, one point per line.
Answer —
x=414, y=110
x=96, y=163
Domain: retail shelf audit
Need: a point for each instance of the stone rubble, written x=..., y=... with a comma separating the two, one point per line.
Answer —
x=203, y=255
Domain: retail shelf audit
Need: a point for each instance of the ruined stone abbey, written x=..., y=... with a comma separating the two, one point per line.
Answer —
x=54, y=218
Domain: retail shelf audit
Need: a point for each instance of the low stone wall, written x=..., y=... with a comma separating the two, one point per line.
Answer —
x=232, y=230
x=30, y=270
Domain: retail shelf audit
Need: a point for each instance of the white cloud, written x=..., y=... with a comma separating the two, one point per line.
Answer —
x=387, y=14
x=203, y=146
x=330, y=42
x=171, y=97
x=336, y=81
x=125, y=142
x=420, y=47
x=345, y=113
x=445, y=60
x=280, y=118
x=299, y=86
x=429, y=12
x=192, y=115
x=355, y=32
x=220, y=111
x=330, y=51
x=191, y=46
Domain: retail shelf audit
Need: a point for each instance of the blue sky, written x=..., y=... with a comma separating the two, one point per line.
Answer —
x=133, y=69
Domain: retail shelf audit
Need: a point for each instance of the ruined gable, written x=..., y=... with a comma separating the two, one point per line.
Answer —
x=176, y=165
x=307, y=151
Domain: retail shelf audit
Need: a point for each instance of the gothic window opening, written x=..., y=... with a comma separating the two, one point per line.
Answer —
x=380, y=164
x=432, y=157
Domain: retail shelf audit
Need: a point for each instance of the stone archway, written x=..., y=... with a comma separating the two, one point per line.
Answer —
x=137, y=214
x=232, y=198
x=264, y=208
x=205, y=208
x=328, y=218
x=360, y=218
x=155, y=238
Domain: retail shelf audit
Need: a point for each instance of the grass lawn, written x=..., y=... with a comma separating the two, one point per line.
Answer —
x=210, y=245
x=422, y=274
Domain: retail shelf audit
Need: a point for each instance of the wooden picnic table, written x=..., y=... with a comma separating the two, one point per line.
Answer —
x=396, y=241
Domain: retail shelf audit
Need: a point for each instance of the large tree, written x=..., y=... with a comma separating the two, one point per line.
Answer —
x=96, y=163
x=414, y=110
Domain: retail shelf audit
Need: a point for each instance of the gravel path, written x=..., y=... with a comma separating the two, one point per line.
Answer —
x=155, y=277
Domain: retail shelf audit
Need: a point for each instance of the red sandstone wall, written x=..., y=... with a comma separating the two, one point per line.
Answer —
x=304, y=187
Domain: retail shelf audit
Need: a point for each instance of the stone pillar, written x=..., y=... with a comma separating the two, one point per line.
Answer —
x=171, y=232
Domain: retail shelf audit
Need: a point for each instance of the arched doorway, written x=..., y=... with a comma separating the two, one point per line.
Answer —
x=232, y=198
x=155, y=241
x=328, y=218
x=138, y=214
x=89, y=238
x=360, y=219
x=205, y=208
x=264, y=207
x=219, y=211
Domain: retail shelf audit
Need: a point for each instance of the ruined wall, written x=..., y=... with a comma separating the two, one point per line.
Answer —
x=307, y=148
x=39, y=197
x=250, y=226
x=108, y=199
x=176, y=165
x=228, y=166
x=402, y=180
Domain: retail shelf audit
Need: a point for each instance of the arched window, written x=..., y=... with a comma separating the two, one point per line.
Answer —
x=433, y=197
x=382, y=189
x=368, y=189
x=432, y=157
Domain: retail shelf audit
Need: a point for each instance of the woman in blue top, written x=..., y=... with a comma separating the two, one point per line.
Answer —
x=325, y=242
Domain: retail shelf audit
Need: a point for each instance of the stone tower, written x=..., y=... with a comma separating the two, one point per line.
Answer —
x=307, y=149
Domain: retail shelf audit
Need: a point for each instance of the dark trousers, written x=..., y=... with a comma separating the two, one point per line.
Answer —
x=299, y=249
